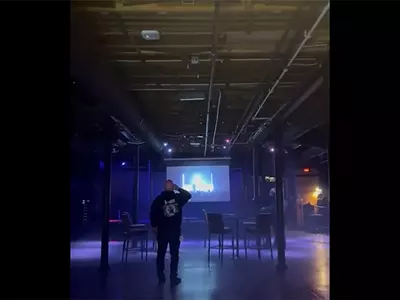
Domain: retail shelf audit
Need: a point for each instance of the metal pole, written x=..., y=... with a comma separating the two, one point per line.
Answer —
x=137, y=183
x=150, y=185
x=307, y=36
x=135, y=195
x=329, y=179
x=212, y=71
x=280, y=225
x=216, y=120
x=253, y=151
x=259, y=171
x=105, y=233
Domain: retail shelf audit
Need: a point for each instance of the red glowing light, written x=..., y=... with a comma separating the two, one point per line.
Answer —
x=306, y=170
x=115, y=221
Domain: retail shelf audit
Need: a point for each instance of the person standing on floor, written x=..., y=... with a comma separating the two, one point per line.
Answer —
x=166, y=220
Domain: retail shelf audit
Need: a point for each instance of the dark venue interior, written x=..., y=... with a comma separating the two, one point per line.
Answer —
x=230, y=100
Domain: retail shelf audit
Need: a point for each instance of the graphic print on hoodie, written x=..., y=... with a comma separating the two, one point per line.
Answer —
x=166, y=210
x=170, y=208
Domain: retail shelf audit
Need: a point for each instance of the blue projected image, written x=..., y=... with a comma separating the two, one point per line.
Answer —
x=205, y=183
x=198, y=183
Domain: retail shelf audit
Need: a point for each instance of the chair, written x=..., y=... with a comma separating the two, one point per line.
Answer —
x=262, y=229
x=134, y=230
x=315, y=223
x=206, y=231
x=216, y=226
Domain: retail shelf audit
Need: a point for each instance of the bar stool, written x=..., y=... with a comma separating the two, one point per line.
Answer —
x=132, y=231
x=261, y=230
x=216, y=226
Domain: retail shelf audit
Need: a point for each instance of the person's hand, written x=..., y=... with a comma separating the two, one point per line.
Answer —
x=176, y=187
x=154, y=229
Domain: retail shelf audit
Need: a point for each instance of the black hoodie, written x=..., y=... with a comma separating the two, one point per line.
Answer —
x=166, y=210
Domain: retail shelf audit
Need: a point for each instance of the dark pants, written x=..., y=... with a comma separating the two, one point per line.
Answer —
x=163, y=239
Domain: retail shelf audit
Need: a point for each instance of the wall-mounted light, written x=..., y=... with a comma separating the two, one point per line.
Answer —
x=169, y=150
x=317, y=192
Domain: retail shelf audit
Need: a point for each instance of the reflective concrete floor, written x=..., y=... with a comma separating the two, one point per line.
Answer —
x=307, y=276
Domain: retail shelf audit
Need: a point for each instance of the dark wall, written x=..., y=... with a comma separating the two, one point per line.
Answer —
x=84, y=185
x=122, y=190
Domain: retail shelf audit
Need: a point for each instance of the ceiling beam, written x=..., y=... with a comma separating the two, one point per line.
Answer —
x=299, y=101
x=253, y=104
x=265, y=129
x=293, y=132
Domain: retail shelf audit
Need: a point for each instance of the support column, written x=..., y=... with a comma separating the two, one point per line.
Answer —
x=329, y=172
x=105, y=232
x=135, y=205
x=150, y=179
x=279, y=171
x=253, y=177
x=259, y=171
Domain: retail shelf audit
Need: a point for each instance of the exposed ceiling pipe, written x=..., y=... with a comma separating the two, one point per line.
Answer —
x=127, y=133
x=249, y=111
x=192, y=88
x=216, y=120
x=212, y=72
x=303, y=132
x=311, y=61
x=307, y=36
x=161, y=90
x=209, y=104
x=267, y=121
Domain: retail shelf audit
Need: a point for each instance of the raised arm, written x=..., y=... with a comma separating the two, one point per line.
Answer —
x=184, y=196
